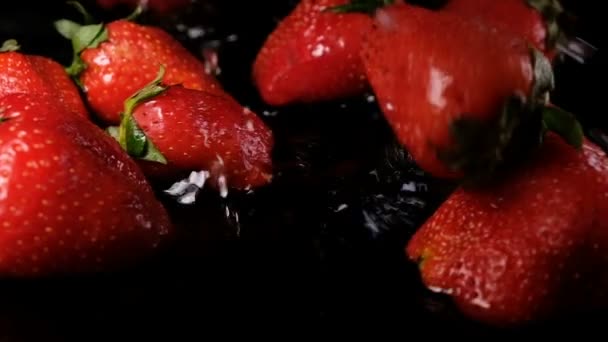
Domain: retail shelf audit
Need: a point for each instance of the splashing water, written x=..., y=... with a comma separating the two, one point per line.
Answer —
x=187, y=190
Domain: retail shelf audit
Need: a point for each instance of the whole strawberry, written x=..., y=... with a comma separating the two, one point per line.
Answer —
x=71, y=200
x=531, y=246
x=457, y=101
x=313, y=55
x=534, y=20
x=39, y=76
x=175, y=131
x=159, y=6
x=115, y=60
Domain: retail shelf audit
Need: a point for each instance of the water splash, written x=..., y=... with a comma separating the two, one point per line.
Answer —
x=577, y=49
x=186, y=190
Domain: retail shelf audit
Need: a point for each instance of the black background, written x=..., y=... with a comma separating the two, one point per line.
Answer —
x=299, y=263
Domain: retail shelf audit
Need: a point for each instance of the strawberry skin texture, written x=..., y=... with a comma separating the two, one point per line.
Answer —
x=160, y=6
x=425, y=79
x=197, y=131
x=313, y=56
x=515, y=16
x=130, y=59
x=40, y=76
x=71, y=200
x=527, y=248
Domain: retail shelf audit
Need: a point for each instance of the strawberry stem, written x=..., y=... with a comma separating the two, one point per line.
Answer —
x=136, y=13
x=86, y=16
x=130, y=136
x=10, y=45
x=150, y=90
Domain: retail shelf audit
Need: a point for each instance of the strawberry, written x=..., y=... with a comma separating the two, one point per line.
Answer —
x=460, y=102
x=70, y=199
x=533, y=20
x=529, y=247
x=159, y=6
x=175, y=130
x=36, y=75
x=313, y=55
x=115, y=60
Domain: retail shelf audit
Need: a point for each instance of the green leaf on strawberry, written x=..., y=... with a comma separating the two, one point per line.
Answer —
x=85, y=36
x=130, y=136
x=564, y=124
x=480, y=146
x=82, y=37
x=10, y=45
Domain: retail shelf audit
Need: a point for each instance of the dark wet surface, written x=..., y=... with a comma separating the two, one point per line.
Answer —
x=322, y=247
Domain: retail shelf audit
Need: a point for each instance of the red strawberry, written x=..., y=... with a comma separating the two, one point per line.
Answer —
x=526, y=248
x=115, y=60
x=40, y=76
x=191, y=130
x=454, y=100
x=70, y=199
x=160, y=6
x=313, y=55
x=533, y=20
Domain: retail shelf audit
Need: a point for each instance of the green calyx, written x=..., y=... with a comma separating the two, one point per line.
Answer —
x=551, y=11
x=10, y=45
x=481, y=147
x=82, y=37
x=553, y=119
x=129, y=135
x=360, y=6
x=564, y=124
x=85, y=36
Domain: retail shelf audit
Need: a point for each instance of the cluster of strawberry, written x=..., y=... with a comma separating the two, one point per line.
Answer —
x=466, y=90
x=75, y=193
